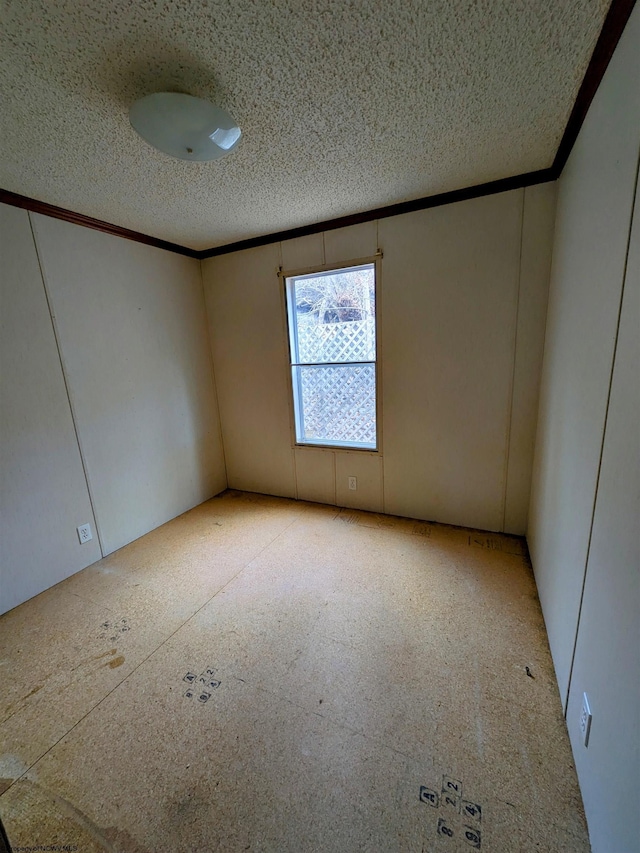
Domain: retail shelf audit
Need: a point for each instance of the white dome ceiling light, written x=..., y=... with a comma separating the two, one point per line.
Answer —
x=185, y=127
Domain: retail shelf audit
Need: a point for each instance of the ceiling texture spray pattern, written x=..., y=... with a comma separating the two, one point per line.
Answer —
x=344, y=105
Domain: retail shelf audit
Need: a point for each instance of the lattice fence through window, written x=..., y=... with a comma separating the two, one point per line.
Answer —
x=339, y=401
x=324, y=342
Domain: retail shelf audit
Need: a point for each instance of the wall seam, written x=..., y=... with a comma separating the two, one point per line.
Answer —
x=284, y=310
x=604, y=433
x=505, y=483
x=213, y=375
x=542, y=360
x=380, y=363
x=335, y=478
x=65, y=379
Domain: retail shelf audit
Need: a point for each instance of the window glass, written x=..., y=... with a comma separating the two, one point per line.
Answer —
x=332, y=331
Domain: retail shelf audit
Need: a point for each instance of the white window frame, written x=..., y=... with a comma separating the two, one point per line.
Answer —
x=288, y=279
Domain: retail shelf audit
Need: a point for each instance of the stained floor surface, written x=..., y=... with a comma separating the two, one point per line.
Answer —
x=267, y=675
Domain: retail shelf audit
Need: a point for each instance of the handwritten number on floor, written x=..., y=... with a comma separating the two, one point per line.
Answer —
x=201, y=686
x=453, y=810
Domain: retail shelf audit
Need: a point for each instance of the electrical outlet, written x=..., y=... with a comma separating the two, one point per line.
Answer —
x=353, y=483
x=84, y=533
x=585, y=720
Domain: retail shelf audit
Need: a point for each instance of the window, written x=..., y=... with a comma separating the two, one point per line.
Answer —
x=332, y=334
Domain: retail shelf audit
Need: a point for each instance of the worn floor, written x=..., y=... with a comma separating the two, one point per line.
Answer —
x=266, y=675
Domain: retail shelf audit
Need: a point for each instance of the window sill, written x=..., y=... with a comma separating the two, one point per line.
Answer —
x=345, y=448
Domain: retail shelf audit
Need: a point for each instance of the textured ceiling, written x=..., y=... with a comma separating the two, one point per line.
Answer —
x=345, y=105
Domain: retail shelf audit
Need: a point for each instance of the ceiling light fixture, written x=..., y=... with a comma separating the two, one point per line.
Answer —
x=185, y=127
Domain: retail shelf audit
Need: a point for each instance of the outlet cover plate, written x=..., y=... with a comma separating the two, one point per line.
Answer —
x=84, y=533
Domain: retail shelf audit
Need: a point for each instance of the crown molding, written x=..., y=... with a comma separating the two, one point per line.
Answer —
x=36, y=206
x=612, y=29
x=490, y=188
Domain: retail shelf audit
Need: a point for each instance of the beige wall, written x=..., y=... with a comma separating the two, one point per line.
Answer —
x=43, y=494
x=583, y=532
x=607, y=665
x=248, y=352
x=132, y=345
x=462, y=298
x=593, y=217
x=535, y=264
